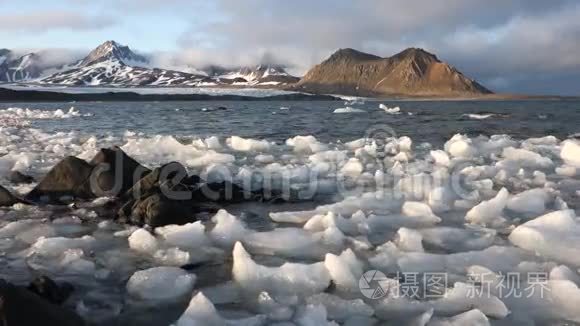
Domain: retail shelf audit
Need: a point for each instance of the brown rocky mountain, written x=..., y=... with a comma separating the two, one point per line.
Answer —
x=413, y=72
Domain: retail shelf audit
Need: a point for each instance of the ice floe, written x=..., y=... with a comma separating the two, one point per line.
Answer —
x=349, y=109
x=394, y=110
x=481, y=204
x=160, y=283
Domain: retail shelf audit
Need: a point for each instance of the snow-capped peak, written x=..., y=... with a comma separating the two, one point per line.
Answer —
x=270, y=74
x=113, y=51
x=4, y=55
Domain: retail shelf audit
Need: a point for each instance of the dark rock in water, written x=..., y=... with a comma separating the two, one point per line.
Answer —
x=18, y=177
x=158, y=210
x=110, y=173
x=220, y=192
x=114, y=172
x=47, y=289
x=69, y=178
x=21, y=307
x=7, y=198
x=173, y=172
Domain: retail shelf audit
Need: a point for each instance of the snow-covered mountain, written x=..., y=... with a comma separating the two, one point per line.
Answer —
x=113, y=64
x=116, y=65
x=30, y=66
x=259, y=75
x=113, y=51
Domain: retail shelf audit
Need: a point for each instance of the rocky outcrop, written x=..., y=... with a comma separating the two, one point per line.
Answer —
x=7, y=198
x=110, y=173
x=25, y=307
x=114, y=172
x=68, y=179
x=19, y=178
x=412, y=72
x=164, y=195
x=49, y=290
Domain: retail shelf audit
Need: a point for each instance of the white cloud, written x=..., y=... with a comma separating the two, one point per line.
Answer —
x=46, y=20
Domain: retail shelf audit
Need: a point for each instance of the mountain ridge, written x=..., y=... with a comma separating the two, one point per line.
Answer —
x=411, y=72
x=117, y=65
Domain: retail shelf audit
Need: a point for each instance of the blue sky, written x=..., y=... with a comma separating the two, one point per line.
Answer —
x=147, y=30
x=530, y=46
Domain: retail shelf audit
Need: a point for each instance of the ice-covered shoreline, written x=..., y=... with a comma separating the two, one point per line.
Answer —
x=478, y=207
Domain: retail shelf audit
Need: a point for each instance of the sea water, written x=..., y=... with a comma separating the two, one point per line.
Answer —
x=480, y=194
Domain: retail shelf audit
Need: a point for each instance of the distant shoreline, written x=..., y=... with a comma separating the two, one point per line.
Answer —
x=9, y=95
x=126, y=95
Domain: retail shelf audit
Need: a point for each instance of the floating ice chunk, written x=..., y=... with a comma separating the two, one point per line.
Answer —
x=312, y=315
x=273, y=309
x=478, y=116
x=248, y=145
x=58, y=245
x=287, y=242
x=409, y=240
x=418, y=186
x=497, y=258
x=395, y=110
x=396, y=221
x=461, y=298
x=40, y=114
x=201, y=311
x=345, y=270
x=143, y=241
x=355, y=225
x=402, y=157
x=460, y=146
x=456, y=239
x=172, y=257
x=418, y=209
x=456, y=300
x=441, y=199
x=566, y=170
x=530, y=202
x=213, y=142
x=187, y=236
x=564, y=273
x=160, y=149
x=228, y=229
x=73, y=261
x=570, y=153
x=472, y=317
x=519, y=157
x=440, y=157
x=377, y=202
x=353, y=168
x=554, y=235
x=339, y=309
x=404, y=144
x=292, y=217
x=160, y=283
x=349, y=109
x=288, y=279
x=489, y=211
x=306, y=144
x=12, y=229
x=210, y=158
x=264, y=158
